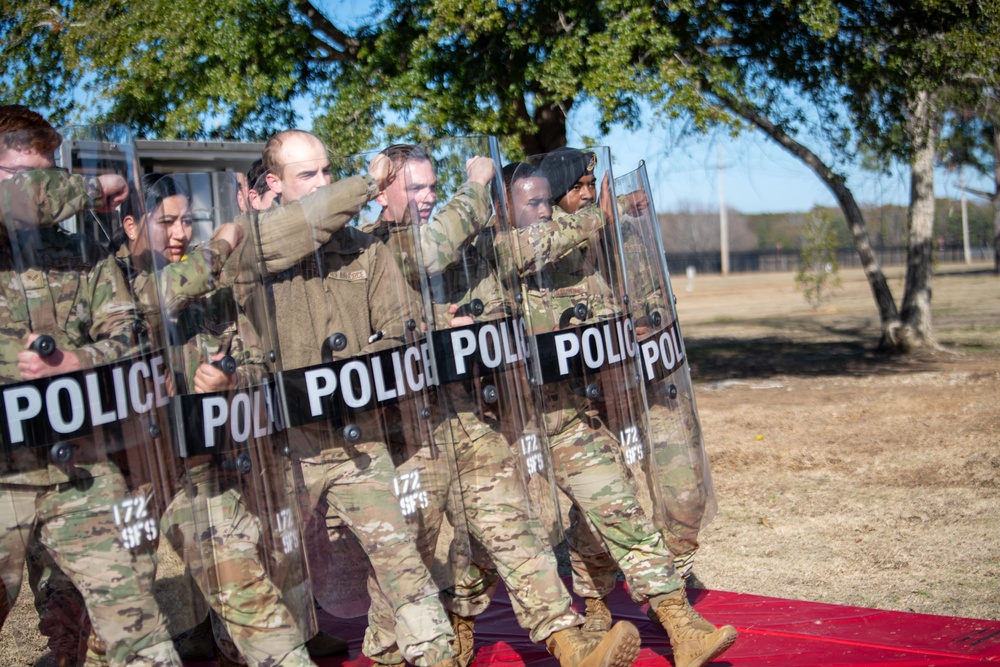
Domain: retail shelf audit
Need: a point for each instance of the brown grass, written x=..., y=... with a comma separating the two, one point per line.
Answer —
x=842, y=476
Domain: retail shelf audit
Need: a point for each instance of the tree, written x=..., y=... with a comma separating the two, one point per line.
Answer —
x=867, y=75
x=513, y=69
x=819, y=271
x=972, y=140
x=220, y=69
x=860, y=73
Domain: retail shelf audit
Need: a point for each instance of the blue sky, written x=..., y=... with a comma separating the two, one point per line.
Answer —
x=758, y=175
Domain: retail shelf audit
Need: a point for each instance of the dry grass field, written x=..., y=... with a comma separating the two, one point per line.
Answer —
x=842, y=476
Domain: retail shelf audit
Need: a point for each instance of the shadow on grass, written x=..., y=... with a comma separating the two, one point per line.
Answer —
x=805, y=348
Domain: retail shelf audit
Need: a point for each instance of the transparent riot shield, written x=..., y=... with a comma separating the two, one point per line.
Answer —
x=581, y=338
x=233, y=518
x=358, y=388
x=676, y=442
x=83, y=382
x=441, y=202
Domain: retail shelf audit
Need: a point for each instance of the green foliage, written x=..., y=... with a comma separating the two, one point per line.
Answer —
x=819, y=272
x=419, y=68
x=167, y=68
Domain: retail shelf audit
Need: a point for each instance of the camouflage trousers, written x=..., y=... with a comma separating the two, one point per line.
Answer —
x=75, y=523
x=684, y=494
x=210, y=527
x=501, y=523
x=62, y=614
x=359, y=490
x=590, y=470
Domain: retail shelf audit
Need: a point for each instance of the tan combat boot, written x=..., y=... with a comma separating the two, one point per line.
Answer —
x=464, y=643
x=695, y=641
x=598, y=615
x=573, y=648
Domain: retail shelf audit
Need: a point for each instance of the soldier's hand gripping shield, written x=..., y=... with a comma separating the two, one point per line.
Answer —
x=83, y=379
x=678, y=449
x=358, y=387
x=584, y=364
x=233, y=518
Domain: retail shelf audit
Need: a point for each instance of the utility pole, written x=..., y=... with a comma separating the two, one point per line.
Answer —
x=723, y=221
x=965, y=217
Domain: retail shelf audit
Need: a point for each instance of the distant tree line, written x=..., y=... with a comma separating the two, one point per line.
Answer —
x=694, y=231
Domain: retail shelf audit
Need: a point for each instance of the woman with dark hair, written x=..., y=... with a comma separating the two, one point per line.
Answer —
x=203, y=325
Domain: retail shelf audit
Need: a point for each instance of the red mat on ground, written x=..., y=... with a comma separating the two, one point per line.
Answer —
x=773, y=631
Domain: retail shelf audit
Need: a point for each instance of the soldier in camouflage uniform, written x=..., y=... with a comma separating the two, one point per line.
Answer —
x=353, y=294
x=585, y=453
x=92, y=323
x=595, y=572
x=229, y=572
x=689, y=503
x=496, y=505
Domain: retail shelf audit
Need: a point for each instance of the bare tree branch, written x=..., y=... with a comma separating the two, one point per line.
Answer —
x=319, y=23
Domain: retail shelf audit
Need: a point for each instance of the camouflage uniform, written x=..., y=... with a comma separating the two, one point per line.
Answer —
x=42, y=198
x=209, y=522
x=495, y=503
x=595, y=572
x=91, y=318
x=353, y=295
x=586, y=455
x=677, y=433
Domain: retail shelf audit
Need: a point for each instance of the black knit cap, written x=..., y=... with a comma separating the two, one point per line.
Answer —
x=564, y=167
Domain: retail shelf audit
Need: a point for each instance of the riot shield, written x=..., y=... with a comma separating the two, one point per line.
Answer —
x=581, y=337
x=83, y=381
x=443, y=198
x=356, y=384
x=233, y=518
x=682, y=471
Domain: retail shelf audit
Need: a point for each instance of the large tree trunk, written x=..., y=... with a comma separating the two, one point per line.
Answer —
x=995, y=198
x=549, y=124
x=916, y=311
x=888, y=315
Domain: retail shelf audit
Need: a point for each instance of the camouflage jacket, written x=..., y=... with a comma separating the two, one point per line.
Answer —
x=644, y=270
x=83, y=304
x=62, y=291
x=455, y=266
x=449, y=262
x=558, y=267
x=534, y=248
x=44, y=197
x=281, y=237
x=350, y=286
x=192, y=314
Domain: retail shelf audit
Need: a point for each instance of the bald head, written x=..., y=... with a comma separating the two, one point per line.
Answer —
x=297, y=163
